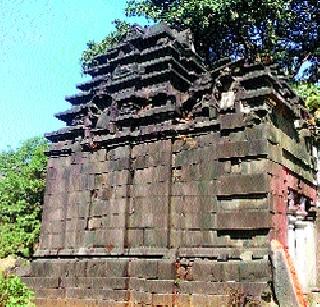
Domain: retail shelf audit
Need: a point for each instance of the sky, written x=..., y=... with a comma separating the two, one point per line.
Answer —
x=41, y=42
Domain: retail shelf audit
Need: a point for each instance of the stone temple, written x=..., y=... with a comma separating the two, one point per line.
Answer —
x=173, y=184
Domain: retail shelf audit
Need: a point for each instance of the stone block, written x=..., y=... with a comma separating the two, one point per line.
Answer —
x=166, y=269
x=193, y=238
x=49, y=293
x=113, y=295
x=212, y=271
x=244, y=220
x=243, y=184
x=156, y=237
x=208, y=220
x=140, y=297
x=255, y=271
x=143, y=268
x=211, y=170
x=243, y=203
x=199, y=300
x=42, y=282
x=232, y=121
x=210, y=238
x=117, y=268
x=184, y=300
x=162, y=299
x=135, y=237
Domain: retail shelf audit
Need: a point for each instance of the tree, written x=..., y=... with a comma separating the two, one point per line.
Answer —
x=310, y=93
x=95, y=49
x=22, y=182
x=223, y=26
x=227, y=25
x=283, y=29
x=237, y=28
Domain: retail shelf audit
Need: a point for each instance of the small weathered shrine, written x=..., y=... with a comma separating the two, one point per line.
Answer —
x=170, y=181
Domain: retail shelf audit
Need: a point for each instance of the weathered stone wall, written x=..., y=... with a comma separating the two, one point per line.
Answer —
x=176, y=193
x=169, y=183
x=182, y=215
x=187, y=216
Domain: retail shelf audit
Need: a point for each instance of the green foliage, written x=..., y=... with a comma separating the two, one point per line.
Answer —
x=14, y=293
x=95, y=49
x=226, y=25
x=200, y=13
x=22, y=184
x=211, y=21
x=310, y=93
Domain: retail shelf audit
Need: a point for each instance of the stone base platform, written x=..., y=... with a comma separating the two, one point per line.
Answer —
x=149, y=282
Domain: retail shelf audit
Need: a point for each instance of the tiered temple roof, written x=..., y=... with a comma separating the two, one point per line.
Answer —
x=153, y=82
x=148, y=69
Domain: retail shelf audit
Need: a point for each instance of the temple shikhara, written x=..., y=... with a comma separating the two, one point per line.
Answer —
x=175, y=184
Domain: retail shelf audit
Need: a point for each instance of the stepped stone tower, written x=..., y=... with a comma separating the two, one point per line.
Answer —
x=170, y=181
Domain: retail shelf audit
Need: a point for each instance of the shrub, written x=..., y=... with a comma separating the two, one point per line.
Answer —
x=310, y=93
x=14, y=293
x=22, y=183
